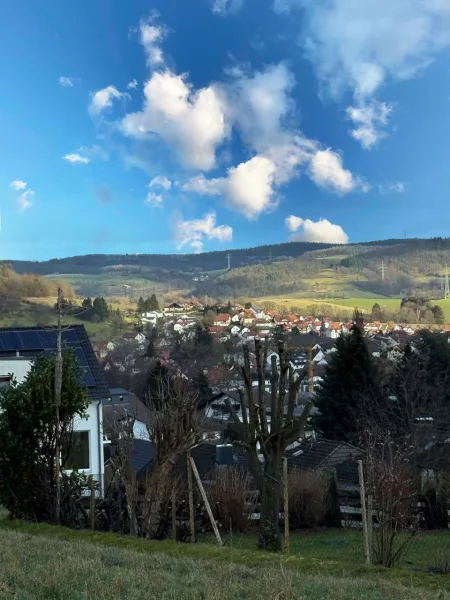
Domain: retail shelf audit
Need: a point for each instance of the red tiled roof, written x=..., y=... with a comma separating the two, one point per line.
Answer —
x=225, y=317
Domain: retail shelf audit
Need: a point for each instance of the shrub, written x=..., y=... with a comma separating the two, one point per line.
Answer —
x=308, y=498
x=232, y=498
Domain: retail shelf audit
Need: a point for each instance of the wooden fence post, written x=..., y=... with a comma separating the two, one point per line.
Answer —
x=174, y=517
x=92, y=504
x=370, y=529
x=133, y=523
x=191, y=498
x=362, y=493
x=205, y=500
x=286, y=505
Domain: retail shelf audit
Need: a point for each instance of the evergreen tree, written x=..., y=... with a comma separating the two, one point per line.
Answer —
x=377, y=313
x=100, y=308
x=438, y=314
x=154, y=304
x=141, y=305
x=200, y=384
x=350, y=378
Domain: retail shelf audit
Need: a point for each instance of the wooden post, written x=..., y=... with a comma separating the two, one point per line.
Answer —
x=205, y=500
x=370, y=529
x=191, y=498
x=133, y=524
x=92, y=504
x=174, y=517
x=286, y=505
x=362, y=492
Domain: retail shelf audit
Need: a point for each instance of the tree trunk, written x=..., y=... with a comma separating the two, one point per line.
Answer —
x=269, y=527
x=159, y=489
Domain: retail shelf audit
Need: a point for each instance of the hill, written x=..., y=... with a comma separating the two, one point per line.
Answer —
x=379, y=269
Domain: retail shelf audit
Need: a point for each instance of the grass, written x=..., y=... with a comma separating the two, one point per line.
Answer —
x=43, y=561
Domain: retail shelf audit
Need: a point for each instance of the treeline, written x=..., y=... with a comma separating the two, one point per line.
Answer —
x=148, y=305
x=13, y=285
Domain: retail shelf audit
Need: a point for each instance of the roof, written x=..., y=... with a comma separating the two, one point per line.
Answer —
x=122, y=403
x=222, y=317
x=143, y=454
x=37, y=340
x=311, y=454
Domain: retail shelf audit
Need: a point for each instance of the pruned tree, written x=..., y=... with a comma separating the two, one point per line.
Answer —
x=271, y=436
x=175, y=428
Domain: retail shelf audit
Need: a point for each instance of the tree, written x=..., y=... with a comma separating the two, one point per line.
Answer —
x=377, y=313
x=154, y=304
x=141, y=305
x=100, y=308
x=438, y=314
x=201, y=387
x=248, y=305
x=350, y=375
x=28, y=431
x=254, y=431
x=117, y=321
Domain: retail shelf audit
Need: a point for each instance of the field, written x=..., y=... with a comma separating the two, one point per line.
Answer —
x=39, y=561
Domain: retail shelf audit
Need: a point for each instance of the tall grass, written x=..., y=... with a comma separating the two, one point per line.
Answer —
x=35, y=568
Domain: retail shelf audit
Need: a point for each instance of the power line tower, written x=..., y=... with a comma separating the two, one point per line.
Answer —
x=446, y=284
x=270, y=254
x=383, y=269
x=229, y=260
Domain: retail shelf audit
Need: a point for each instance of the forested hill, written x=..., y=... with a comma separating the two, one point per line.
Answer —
x=208, y=261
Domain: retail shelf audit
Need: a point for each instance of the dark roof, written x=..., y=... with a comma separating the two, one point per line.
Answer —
x=435, y=458
x=143, y=454
x=32, y=341
x=119, y=405
x=311, y=454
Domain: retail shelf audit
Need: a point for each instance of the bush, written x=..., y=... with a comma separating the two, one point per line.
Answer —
x=233, y=498
x=308, y=498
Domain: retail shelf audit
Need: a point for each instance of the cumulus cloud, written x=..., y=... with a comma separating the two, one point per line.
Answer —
x=327, y=171
x=76, y=159
x=315, y=231
x=160, y=181
x=194, y=232
x=18, y=185
x=396, y=187
x=103, y=99
x=132, y=85
x=66, y=81
x=361, y=44
x=154, y=200
x=369, y=120
x=226, y=7
x=25, y=200
x=191, y=122
x=151, y=36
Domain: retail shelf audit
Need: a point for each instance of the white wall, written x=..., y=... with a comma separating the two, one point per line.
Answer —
x=140, y=431
x=18, y=367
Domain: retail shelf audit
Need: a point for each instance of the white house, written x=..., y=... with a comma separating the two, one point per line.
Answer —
x=235, y=330
x=20, y=346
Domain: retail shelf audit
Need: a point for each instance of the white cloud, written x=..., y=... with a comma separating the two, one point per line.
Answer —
x=93, y=152
x=293, y=222
x=132, y=85
x=65, y=81
x=103, y=99
x=326, y=171
x=191, y=122
x=396, y=187
x=154, y=200
x=76, y=159
x=151, y=36
x=18, y=185
x=361, y=44
x=25, y=200
x=226, y=7
x=369, y=120
x=315, y=231
x=193, y=233
x=161, y=181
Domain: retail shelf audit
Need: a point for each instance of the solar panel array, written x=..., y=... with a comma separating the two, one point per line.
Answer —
x=46, y=340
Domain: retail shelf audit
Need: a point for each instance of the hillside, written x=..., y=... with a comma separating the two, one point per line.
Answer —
x=371, y=270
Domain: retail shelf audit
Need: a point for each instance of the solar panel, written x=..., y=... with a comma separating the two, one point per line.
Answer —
x=48, y=338
x=69, y=336
x=81, y=358
x=11, y=341
x=88, y=379
x=30, y=340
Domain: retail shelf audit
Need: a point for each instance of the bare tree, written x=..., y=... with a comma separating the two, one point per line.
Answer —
x=271, y=436
x=175, y=428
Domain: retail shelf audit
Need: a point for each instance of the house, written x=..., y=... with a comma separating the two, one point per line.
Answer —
x=122, y=405
x=235, y=330
x=173, y=308
x=222, y=319
x=321, y=454
x=19, y=346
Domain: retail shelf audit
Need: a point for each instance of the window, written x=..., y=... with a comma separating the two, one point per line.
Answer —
x=5, y=380
x=78, y=451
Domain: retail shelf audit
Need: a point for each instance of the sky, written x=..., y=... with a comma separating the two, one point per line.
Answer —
x=179, y=126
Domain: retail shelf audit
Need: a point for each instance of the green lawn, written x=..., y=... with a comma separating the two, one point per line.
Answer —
x=42, y=561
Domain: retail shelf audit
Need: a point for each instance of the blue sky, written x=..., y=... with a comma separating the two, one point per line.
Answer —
x=185, y=126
